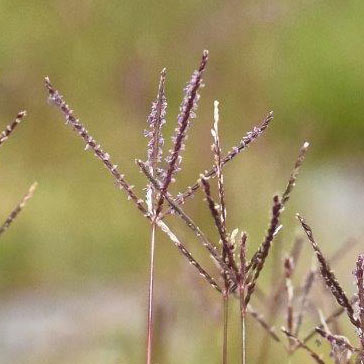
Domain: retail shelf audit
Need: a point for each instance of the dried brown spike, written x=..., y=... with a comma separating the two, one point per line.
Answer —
x=10, y=128
x=13, y=215
x=329, y=276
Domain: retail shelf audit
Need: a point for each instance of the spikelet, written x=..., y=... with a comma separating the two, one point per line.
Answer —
x=227, y=247
x=13, y=215
x=4, y=135
x=329, y=276
x=156, y=120
x=359, y=277
x=264, y=248
x=187, y=113
x=294, y=174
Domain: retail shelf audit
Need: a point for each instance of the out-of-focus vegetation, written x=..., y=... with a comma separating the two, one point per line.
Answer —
x=79, y=237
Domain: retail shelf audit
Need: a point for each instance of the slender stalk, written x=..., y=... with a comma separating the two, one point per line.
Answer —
x=225, y=300
x=242, y=321
x=151, y=297
x=242, y=295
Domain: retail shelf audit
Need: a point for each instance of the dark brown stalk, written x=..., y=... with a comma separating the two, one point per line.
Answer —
x=264, y=249
x=187, y=112
x=57, y=99
x=189, y=222
x=301, y=344
x=10, y=128
x=13, y=215
x=156, y=120
x=329, y=276
x=244, y=143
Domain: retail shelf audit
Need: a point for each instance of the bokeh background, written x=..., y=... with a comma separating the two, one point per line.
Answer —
x=74, y=266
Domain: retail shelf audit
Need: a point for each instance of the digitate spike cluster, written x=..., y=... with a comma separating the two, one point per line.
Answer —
x=239, y=276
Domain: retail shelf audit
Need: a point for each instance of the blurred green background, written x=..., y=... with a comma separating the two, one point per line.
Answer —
x=74, y=266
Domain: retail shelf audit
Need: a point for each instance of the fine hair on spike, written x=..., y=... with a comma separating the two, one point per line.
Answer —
x=4, y=135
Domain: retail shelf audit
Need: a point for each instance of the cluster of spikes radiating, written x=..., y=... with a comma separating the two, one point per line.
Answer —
x=238, y=274
x=4, y=136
